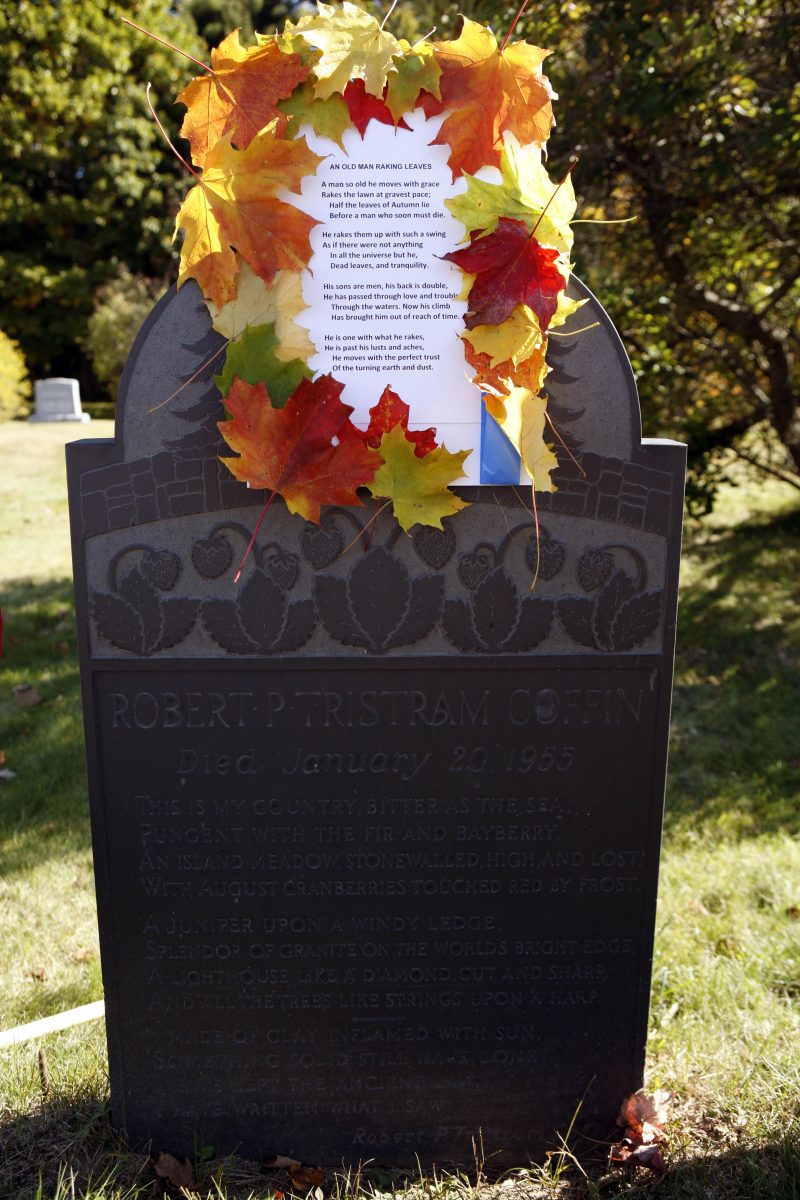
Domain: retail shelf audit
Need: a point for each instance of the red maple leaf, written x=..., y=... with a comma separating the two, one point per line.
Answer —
x=290, y=450
x=364, y=108
x=383, y=416
x=510, y=267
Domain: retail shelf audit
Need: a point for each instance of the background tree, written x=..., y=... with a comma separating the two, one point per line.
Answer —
x=87, y=182
x=685, y=117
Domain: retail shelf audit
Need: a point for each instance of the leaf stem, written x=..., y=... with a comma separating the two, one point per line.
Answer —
x=513, y=24
x=165, y=136
x=191, y=378
x=251, y=543
x=169, y=45
x=569, y=171
x=549, y=420
x=392, y=7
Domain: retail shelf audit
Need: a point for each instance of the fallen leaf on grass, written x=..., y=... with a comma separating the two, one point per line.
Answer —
x=25, y=695
x=305, y=1178
x=282, y=1163
x=627, y=1151
x=37, y=974
x=172, y=1171
x=793, y=912
x=7, y=774
x=643, y=1117
x=84, y=954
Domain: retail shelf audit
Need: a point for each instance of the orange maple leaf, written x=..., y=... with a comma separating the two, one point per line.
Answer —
x=290, y=450
x=239, y=95
x=234, y=206
x=528, y=374
x=490, y=91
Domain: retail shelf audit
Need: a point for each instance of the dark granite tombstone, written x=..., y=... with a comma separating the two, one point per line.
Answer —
x=376, y=832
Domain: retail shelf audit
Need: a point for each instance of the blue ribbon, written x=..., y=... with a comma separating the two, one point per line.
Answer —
x=499, y=460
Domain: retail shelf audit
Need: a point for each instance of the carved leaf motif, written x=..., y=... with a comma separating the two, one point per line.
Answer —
x=535, y=618
x=575, y=614
x=330, y=594
x=179, y=617
x=144, y=600
x=379, y=593
x=117, y=622
x=262, y=610
x=457, y=626
x=422, y=613
x=434, y=546
x=636, y=620
x=495, y=609
x=300, y=622
x=221, y=620
x=619, y=589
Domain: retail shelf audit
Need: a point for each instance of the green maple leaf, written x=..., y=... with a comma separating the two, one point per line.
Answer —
x=523, y=195
x=252, y=359
x=417, y=487
x=417, y=71
x=328, y=118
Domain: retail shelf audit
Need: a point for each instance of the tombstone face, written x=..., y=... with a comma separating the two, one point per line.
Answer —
x=376, y=832
x=57, y=400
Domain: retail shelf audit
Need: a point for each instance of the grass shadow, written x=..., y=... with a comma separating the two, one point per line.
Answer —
x=735, y=757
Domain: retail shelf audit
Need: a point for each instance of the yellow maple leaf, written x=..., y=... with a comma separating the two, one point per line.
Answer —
x=416, y=70
x=521, y=416
x=255, y=304
x=517, y=338
x=234, y=204
x=417, y=487
x=353, y=46
x=525, y=193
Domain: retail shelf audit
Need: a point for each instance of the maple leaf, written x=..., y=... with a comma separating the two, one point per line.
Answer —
x=257, y=304
x=416, y=70
x=520, y=415
x=234, y=205
x=328, y=118
x=385, y=415
x=526, y=191
x=530, y=373
x=490, y=91
x=417, y=487
x=173, y=1171
x=290, y=450
x=510, y=267
x=516, y=339
x=252, y=357
x=238, y=97
x=353, y=46
x=364, y=108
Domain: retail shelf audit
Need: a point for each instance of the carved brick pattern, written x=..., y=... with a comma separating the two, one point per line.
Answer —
x=170, y=485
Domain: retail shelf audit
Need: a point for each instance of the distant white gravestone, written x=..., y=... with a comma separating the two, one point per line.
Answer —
x=58, y=400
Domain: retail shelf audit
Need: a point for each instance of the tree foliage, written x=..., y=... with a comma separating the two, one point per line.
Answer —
x=685, y=117
x=87, y=183
x=15, y=387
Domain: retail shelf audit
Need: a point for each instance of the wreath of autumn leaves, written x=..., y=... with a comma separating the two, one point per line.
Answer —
x=246, y=248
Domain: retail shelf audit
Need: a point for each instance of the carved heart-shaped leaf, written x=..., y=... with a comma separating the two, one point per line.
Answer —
x=575, y=614
x=300, y=622
x=495, y=608
x=422, y=613
x=535, y=617
x=179, y=617
x=635, y=621
x=118, y=623
x=457, y=626
x=379, y=594
x=262, y=610
x=221, y=621
x=618, y=591
x=333, y=607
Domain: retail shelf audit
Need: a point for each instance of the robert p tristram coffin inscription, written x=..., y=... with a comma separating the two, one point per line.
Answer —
x=376, y=806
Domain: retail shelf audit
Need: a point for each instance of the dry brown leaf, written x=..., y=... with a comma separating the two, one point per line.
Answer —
x=84, y=954
x=305, y=1178
x=282, y=1163
x=25, y=695
x=172, y=1171
x=643, y=1117
x=627, y=1151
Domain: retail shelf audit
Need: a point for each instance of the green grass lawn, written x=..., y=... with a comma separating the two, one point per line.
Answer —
x=725, y=1016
